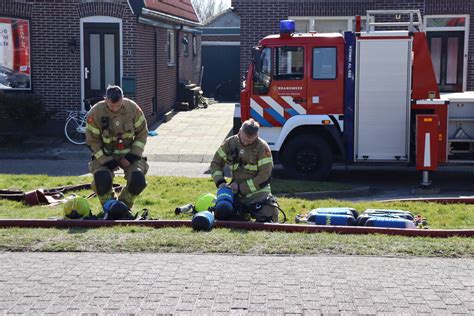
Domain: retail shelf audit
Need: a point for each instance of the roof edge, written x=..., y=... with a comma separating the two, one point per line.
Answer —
x=214, y=17
x=167, y=17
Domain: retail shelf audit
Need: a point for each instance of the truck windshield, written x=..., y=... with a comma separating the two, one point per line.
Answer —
x=289, y=63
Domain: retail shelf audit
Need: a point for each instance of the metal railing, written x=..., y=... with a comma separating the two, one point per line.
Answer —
x=411, y=23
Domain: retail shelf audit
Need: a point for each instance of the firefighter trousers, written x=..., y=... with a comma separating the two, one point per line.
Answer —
x=267, y=208
x=125, y=196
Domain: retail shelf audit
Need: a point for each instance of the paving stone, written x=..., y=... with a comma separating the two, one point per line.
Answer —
x=175, y=284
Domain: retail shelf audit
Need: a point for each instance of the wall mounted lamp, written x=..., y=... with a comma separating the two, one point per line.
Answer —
x=72, y=44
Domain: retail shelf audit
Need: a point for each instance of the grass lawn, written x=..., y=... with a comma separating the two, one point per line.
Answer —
x=163, y=194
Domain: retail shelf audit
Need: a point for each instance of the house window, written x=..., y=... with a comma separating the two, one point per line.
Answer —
x=324, y=63
x=457, y=21
x=448, y=39
x=170, y=47
x=15, y=68
x=185, y=42
x=194, y=45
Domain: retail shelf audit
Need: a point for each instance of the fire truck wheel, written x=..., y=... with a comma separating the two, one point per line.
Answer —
x=307, y=156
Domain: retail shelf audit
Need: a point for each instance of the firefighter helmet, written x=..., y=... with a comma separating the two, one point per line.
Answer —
x=115, y=210
x=76, y=207
x=205, y=201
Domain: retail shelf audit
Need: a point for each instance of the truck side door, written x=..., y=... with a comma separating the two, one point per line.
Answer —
x=325, y=66
x=286, y=93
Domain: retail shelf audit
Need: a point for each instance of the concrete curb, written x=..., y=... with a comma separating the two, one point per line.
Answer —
x=48, y=155
x=357, y=192
x=198, y=158
x=85, y=155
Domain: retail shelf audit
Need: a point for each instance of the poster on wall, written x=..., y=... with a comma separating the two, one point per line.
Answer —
x=15, y=69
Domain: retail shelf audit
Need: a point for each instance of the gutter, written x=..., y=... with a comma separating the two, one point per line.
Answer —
x=178, y=31
x=155, y=101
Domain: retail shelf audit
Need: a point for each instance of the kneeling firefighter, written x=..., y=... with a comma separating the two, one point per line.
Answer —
x=250, y=160
x=116, y=134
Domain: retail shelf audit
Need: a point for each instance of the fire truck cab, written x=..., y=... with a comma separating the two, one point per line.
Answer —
x=357, y=97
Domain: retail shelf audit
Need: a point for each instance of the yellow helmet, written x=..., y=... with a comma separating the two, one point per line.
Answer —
x=76, y=207
x=204, y=202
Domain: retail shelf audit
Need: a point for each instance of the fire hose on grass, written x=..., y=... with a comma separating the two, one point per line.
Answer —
x=336, y=220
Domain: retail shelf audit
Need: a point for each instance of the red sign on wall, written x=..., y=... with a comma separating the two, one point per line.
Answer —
x=15, y=68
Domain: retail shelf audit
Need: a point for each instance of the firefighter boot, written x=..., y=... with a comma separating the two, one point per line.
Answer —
x=136, y=183
x=126, y=197
x=104, y=197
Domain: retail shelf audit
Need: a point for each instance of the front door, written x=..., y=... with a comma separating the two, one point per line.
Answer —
x=447, y=54
x=101, y=59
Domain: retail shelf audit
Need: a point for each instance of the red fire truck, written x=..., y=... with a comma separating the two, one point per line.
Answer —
x=359, y=97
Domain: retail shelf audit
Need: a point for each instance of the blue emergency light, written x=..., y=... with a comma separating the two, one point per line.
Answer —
x=287, y=27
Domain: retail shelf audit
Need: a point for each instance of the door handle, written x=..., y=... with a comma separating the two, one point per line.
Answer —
x=299, y=100
x=86, y=73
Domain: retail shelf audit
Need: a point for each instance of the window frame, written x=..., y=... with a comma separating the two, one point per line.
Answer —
x=170, y=48
x=185, y=45
x=194, y=43
x=313, y=65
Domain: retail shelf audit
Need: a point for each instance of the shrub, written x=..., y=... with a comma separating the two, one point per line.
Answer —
x=25, y=111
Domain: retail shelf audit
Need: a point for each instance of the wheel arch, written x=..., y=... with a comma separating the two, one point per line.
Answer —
x=328, y=132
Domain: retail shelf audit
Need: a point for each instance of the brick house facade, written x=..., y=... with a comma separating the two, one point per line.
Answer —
x=258, y=21
x=77, y=47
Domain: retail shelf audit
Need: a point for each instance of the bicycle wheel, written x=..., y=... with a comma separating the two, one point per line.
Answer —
x=75, y=130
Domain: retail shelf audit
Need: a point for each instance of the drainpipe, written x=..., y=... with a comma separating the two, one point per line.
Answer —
x=155, y=102
x=177, y=60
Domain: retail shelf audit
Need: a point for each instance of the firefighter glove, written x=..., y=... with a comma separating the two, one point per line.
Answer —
x=131, y=158
x=112, y=164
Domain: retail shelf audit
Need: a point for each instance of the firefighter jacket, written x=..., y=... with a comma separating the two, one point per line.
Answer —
x=251, y=165
x=111, y=135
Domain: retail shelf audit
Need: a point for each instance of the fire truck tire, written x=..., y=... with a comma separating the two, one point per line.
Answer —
x=307, y=156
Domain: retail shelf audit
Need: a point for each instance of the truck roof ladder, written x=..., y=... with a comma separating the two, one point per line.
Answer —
x=398, y=15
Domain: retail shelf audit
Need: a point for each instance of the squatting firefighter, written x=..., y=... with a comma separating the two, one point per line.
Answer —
x=116, y=134
x=250, y=160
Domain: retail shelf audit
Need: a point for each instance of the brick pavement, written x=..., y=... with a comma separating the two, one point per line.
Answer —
x=183, y=284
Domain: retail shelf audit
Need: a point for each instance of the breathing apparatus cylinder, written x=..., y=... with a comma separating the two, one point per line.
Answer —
x=188, y=208
x=203, y=221
x=224, y=208
x=391, y=222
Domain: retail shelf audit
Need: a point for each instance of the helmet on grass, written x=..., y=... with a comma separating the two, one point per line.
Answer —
x=76, y=207
x=205, y=201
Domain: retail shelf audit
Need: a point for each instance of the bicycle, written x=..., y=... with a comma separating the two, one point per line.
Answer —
x=75, y=127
